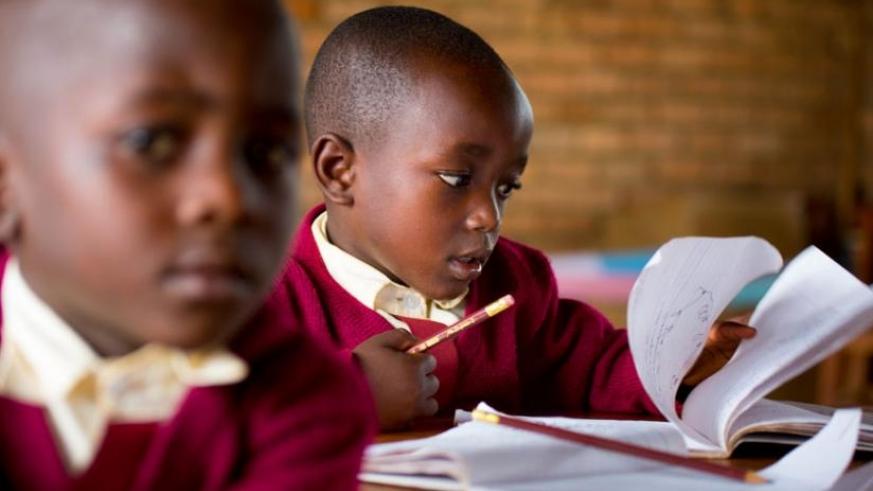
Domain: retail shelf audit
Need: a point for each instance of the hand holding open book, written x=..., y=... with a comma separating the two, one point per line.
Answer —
x=814, y=308
x=722, y=341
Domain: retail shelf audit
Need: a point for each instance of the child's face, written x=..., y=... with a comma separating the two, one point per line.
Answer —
x=429, y=199
x=155, y=197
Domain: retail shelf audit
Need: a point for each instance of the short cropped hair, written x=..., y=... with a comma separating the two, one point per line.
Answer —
x=363, y=72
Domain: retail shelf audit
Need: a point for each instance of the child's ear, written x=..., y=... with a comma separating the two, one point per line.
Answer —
x=333, y=159
x=10, y=223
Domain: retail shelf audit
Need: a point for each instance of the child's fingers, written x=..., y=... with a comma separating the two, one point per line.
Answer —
x=428, y=364
x=431, y=386
x=399, y=339
x=740, y=319
x=724, y=338
x=743, y=332
x=428, y=407
x=731, y=331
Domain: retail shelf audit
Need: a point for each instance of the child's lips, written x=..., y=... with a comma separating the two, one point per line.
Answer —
x=207, y=283
x=466, y=268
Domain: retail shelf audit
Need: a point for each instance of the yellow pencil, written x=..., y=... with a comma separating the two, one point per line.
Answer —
x=480, y=315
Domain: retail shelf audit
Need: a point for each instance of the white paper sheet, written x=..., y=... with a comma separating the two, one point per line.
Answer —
x=677, y=297
x=488, y=453
x=814, y=308
x=813, y=466
x=860, y=479
x=819, y=462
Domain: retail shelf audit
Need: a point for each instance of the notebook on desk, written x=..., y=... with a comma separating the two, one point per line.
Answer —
x=478, y=455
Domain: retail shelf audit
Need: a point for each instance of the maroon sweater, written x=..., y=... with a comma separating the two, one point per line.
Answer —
x=544, y=355
x=300, y=420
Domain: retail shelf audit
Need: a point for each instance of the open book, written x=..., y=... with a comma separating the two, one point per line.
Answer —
x=477, y=455
x=812, y=309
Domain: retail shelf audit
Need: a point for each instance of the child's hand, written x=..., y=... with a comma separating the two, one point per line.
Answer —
x=724, y=338
x=402, y=384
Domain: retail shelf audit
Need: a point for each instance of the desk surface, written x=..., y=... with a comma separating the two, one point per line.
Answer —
x=752, y=456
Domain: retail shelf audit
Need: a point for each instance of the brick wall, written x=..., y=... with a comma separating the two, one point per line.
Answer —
x=866, y=174
x=657, y=118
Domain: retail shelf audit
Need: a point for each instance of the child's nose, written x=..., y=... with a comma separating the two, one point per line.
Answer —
x=485, y=214
x=211, y=194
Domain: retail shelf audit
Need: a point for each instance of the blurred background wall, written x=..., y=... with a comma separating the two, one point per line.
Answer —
x=659, y=118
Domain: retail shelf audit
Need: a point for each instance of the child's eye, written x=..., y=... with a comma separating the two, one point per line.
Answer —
x=454, y=179
x=506, y=189
x=270, y=155
x=157, y=145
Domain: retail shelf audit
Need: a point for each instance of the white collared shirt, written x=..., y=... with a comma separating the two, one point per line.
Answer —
x=44, y=361
x=374, y=289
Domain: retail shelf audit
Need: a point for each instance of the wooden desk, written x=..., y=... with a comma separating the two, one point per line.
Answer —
x=752, y=457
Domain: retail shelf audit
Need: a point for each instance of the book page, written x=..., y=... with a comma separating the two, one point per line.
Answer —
x=676, y=299
x=856, y=479
x=814, y=308
x=815, y=465
x=768, y=416
x=820, y=461
x=477, y=453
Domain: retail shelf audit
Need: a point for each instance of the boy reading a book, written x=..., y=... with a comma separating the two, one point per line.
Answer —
x=147, y=162
x=419, y=134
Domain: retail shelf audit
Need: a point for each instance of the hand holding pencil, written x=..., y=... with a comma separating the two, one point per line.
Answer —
x=403, y=385
x=400, y=371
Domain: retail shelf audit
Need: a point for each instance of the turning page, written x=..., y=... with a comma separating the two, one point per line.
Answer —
x=679, y=294
x=814, y=308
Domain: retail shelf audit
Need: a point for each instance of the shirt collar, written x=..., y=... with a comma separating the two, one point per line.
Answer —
x=50, y=346
x=61, y=358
